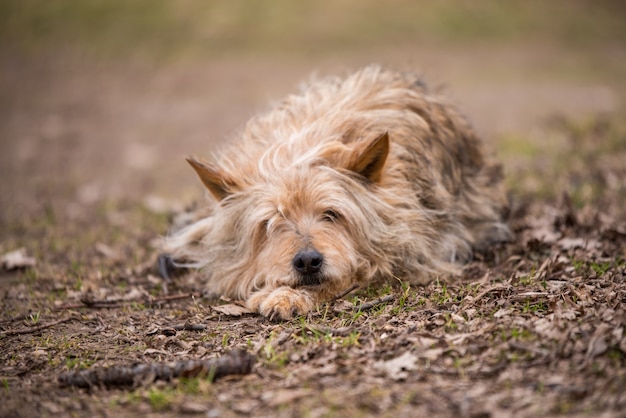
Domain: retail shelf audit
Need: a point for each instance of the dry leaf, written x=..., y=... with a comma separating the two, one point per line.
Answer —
x=231, y=309
x=16, y=259
x=399, y=367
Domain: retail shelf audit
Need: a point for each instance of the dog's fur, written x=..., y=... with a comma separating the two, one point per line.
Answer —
x=373, y=177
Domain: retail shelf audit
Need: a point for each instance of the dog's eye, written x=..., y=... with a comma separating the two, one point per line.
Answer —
x=330, y=215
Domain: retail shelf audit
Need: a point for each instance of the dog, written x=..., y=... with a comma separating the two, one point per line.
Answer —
x=356, y=180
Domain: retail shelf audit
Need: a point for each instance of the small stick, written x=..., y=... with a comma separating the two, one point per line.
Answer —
x=234, y=362
x=369, y=305
x=37, y=328
x=190, y=327
x=117, y=303
x=344, y=293
x=172, y=297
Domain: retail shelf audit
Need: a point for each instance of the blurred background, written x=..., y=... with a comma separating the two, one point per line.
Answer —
x=100, y=100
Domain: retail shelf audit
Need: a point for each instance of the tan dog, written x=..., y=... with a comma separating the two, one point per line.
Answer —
x=369, y=178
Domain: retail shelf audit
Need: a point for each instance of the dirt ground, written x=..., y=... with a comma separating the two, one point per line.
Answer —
x=92, y=170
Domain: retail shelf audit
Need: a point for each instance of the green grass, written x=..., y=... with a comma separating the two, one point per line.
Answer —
x=78, y=363
x=577, y=157
x=160, y=399
x=33, y=318
x=114, y=26
x=534, y=307
x=270, y=354
x=586, y=267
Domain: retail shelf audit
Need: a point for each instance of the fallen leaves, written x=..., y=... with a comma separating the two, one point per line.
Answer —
x=534, y=328
x=231, y=309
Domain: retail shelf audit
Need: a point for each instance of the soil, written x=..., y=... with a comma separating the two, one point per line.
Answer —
x=92, y=172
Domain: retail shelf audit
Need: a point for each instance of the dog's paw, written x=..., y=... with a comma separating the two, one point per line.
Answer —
x=281, y=303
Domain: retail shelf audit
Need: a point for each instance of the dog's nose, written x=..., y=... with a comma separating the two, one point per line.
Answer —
x=308, y=261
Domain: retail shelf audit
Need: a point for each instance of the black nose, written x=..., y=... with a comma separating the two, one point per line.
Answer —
x=308, y=262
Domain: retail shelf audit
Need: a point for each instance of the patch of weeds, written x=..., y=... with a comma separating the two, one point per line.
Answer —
x=580, y=266
x=5, y=384
x=194, y=386
x=78, y=284
x=540, y=387
x=525, y=280
x=528, y=279
x=585, y=267
x=442, y=296
x=66, y=344
x=600, y=268
x=379, y=309
x=349, y=318
x=43, y=340
x=273, y=357
x=450, y=325
x=308, y=335
x=617, y=357
x=351, y=339
x=323, y=310
x=470, y=289
x=131, y=398
x=401, y=304
x=136, y=347
x=460, y=363
x=534, y=308
x=520, y=334
x=159, y=399
x=137, y=306
x=225, y=340
x=78, y=363
x=30, y=276
x=33, y=318
x=53, y=361
x=517, y=146
x=563, y=407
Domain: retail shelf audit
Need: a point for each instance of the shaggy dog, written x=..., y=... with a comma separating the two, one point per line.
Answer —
x=352, y=181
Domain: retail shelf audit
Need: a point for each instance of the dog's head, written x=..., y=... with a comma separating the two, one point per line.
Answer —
x=308, y=222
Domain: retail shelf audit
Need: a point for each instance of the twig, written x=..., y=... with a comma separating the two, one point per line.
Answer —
x=234, y=362
x=369, y=305
x=68, y=306
x=37, y=328
x=344, y=293
x=190, y=327
x=117, y=303
x=170, y=298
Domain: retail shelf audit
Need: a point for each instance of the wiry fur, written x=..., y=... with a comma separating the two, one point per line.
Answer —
x=375, y=172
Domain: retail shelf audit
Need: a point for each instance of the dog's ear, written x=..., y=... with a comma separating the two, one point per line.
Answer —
x=369, y=159
x=218, y=183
